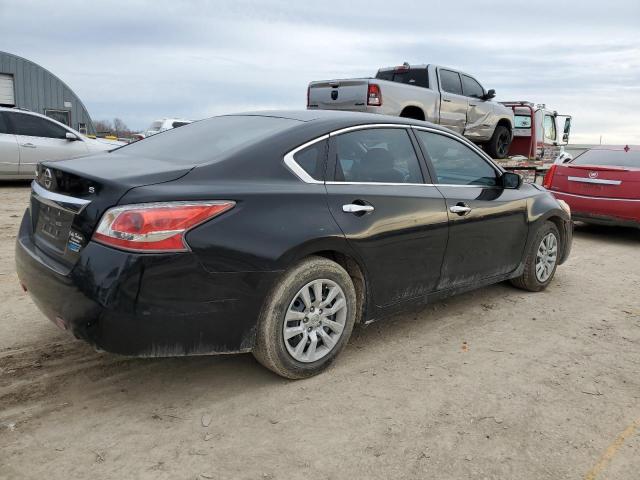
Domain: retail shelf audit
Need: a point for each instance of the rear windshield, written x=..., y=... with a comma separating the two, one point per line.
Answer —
x=618, y=158
x=207, y=140
x=412, y=76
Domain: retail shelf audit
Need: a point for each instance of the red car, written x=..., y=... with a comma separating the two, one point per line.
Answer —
x=601, y=185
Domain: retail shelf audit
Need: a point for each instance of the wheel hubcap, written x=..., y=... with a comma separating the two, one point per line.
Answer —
x=315, y=320
x=546, y=257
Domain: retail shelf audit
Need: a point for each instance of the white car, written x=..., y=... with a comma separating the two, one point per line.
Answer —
x=165, y=124
x=28, y=138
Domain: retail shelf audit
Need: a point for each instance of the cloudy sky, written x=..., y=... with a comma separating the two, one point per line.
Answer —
x=141, y=60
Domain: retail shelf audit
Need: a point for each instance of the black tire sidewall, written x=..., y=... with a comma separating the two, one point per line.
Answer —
x=272, y=319
x=548, y=228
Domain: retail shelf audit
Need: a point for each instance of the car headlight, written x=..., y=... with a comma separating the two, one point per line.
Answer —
x=565, y=206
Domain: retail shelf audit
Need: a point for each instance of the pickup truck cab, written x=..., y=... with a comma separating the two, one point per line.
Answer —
x=436, y=94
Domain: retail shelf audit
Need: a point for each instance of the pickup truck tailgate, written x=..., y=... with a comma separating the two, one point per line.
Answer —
x=339, y=94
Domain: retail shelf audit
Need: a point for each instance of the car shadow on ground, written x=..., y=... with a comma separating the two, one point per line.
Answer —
x=612, y=234
x=70, y=369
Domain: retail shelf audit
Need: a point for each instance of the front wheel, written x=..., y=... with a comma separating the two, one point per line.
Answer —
x=498, y=145
x=307, y=319
x=541, y=261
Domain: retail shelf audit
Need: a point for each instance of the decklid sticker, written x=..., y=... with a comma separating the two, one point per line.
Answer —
x=76, y=241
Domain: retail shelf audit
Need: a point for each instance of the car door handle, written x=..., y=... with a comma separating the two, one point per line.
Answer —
x=446, y=100
x=461, y=209
x=355, y=208
x=473, y=104
x=29, y=145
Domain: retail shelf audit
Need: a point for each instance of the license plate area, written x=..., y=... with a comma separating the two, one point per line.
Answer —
x=52, y=227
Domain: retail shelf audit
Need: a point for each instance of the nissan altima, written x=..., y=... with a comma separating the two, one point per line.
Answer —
x=276, y=233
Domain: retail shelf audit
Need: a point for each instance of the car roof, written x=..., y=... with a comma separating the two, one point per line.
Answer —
x=338, y=118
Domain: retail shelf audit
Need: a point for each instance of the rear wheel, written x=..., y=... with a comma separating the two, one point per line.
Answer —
x=498, y=145
x=542, y=260
x=307, y=320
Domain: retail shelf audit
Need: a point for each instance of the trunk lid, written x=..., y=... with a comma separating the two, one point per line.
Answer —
x=70, y=196
x=597, y=181
x=348, y=94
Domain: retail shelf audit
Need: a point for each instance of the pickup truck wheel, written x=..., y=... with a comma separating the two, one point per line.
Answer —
x=542, y=260
x=307, y=319
x=498, y=146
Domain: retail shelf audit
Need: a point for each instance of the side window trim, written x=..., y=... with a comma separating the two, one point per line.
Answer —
x=471, y=145
x=423, y=158
x=297, y=170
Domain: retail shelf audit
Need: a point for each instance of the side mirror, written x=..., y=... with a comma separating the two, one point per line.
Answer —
x=490, y=94
x=72, y=137
x=511, y=180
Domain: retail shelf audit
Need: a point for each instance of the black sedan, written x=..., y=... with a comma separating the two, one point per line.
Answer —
x=275, y=233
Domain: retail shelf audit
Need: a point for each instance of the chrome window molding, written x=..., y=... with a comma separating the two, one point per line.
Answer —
x=599, y=181
x=56, y=200
x=299, y=172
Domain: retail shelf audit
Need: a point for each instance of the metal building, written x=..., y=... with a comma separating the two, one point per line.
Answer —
x=27, y=85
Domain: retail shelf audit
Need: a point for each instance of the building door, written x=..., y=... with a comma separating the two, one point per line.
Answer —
x=7, y=96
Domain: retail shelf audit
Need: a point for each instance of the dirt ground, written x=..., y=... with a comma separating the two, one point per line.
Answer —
x=494, y=384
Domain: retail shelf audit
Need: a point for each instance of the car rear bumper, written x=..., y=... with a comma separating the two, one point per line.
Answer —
x=602, y=210
x=144, y=304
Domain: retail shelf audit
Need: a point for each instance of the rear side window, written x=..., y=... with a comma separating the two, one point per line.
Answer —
x=33, y=126
x=412, y=76
x=455, y=163
x=179, y=124
x=471, y=88
x=380, y=155
x=450, y=82
x=618, y=158
x=208, y=140
x=312, y=159
x=522, y=121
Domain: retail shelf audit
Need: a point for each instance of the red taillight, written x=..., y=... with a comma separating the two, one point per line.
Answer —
x=548, y=178
x=155, y=227
x=374, y=95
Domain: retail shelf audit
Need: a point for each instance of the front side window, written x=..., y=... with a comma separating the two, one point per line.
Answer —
x=381, y=155
x=456, y=163
x=549, y=127
x=62, y=116
x=522, y=121
x=33, y=126
x=450, y=82
x=471, y=87
x=3, y=124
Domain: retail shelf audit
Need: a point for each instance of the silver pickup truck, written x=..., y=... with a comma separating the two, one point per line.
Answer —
x=425, y=92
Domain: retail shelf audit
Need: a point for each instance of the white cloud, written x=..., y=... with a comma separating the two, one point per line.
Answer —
x=146, y=59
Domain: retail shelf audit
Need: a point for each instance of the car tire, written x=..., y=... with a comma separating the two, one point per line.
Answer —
x=538, y=269
x=305, y=319
x=498, y=145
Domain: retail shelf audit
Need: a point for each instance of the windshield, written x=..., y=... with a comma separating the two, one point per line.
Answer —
x=206, y=140
x=618, y=158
